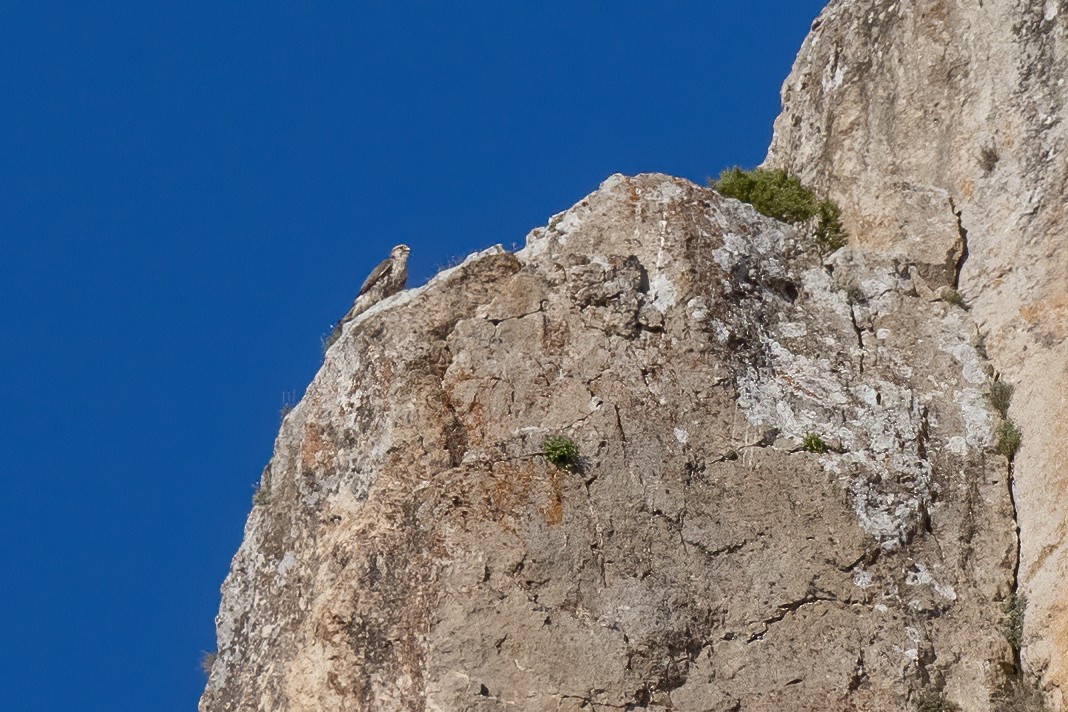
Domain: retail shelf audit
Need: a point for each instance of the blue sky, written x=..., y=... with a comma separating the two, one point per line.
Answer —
x=191, y=193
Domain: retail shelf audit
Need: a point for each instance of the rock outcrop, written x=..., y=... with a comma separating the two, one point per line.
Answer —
x=787, y=496
x=940, y=127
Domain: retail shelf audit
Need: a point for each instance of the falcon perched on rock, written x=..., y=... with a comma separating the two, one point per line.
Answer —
x=385, y=280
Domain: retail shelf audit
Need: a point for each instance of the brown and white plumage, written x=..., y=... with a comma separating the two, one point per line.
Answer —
x=390, y=274
x=385, y=280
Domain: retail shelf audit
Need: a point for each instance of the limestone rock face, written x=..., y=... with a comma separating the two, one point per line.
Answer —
x=940, y=127
x=411, y=548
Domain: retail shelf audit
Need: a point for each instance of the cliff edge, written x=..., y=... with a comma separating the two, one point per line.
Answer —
x=786, y=495
x=790, y=490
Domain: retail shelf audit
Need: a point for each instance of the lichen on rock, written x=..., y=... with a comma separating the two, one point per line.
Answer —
x=939, y=127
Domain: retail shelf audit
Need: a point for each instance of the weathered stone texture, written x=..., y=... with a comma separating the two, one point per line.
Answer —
x=939, y=125
x=412, y=550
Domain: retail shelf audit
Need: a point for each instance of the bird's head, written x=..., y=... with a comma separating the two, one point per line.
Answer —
x=400, y=251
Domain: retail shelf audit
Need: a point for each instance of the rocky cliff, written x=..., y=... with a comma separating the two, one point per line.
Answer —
x=786, y=496
x=939, y=125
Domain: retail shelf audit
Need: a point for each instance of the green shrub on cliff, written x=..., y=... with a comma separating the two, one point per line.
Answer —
x=561, y=451
x=1001, y=397
x=1012, y=627
x=830, y=235
x=1009, y=438
x=779, y=195
x=814, y=443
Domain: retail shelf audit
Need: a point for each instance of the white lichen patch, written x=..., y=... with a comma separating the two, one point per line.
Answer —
x=569, y=222
x=288, y=562
x=978, y=422
x=873, y=421
x=793, y=329
x=720, y=331
x=832, y=79
x=945, y=591
x=664, y=293
x=807, y=375
x=956, y=342
x=667, y=191
x=697, y=309
x=920, y=575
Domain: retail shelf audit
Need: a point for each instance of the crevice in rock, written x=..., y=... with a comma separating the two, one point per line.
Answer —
x=859, y=332
x=963, y=232
x=588, y=701
x=859, y=676
x=786, y=609
x=923, y=434
x=867, y=558
x=1011, y=482
x=516, y=317
x=622, y=432
x=970, y=525
x=713, y=553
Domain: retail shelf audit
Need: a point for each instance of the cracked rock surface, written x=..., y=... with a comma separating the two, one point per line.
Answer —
x=940, y=127
x=411, y=548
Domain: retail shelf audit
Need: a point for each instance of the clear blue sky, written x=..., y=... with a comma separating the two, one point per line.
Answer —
x=191, y=192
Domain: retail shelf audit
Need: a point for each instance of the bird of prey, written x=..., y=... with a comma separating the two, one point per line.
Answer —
x=385, y=280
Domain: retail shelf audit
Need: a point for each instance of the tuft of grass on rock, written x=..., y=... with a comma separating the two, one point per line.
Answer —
x=1012, y=627
x=562, y=452
x=830, y=234
x=814, y=443
x=259, y=494
x=1009, y=438
x=1001, y=397
x=207, y=661
x=952, y=296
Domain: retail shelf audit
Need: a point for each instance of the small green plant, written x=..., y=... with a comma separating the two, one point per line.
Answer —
x=259, y=494
x=1009, y=438
x=935, y=701
x=1013, y=625
x=952, y=296
x=561, y=451
x=730, y=455
x=777, y=194
x=830, y=235
x=1001, y=397
x=814, y=443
